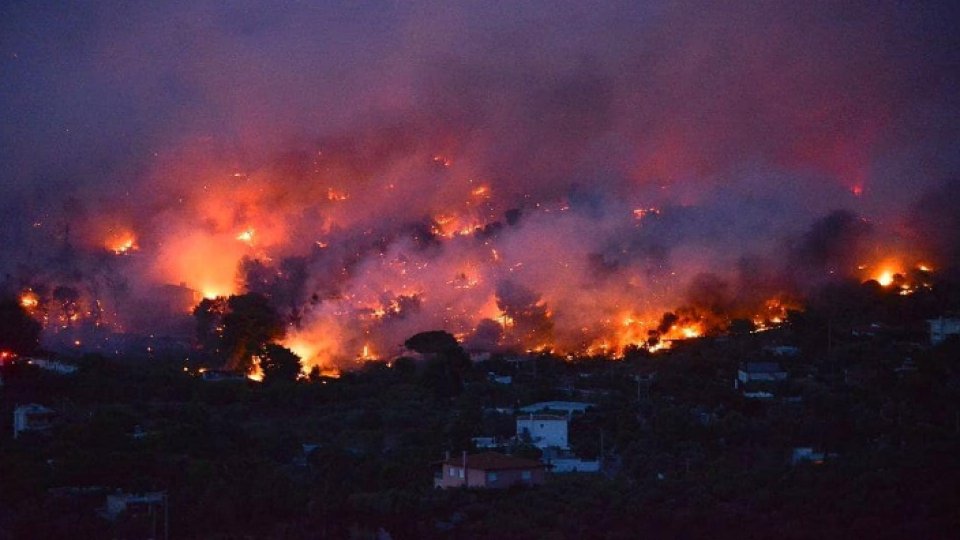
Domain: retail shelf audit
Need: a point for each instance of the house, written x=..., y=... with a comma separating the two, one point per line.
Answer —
x=807, y=454
x=759, y=371
x=573, y=465
x=757, y=380
x=562, y=461
x=489, y=470
x=485, y=442
x=33, y=418
x=942, y=328
x=543, y=430
x=55, y=366
x=782, y=350
x=499, y=379
x=133, y=503
x=567, y=407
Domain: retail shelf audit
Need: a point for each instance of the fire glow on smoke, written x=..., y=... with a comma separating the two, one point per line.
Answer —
x=580, y=180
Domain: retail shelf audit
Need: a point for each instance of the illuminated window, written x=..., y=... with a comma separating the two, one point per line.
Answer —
x=460, y=473
x=491, y=477
x=525, y=475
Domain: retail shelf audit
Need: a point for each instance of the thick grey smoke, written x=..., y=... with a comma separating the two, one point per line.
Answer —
x=383, y=168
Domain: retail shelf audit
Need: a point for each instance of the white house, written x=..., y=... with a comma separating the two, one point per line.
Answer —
x=31, y=417
x=573, y=465
x=942, y=328
x=758, y=380
x=55, y=366
x=543, y=430
x=119, y=503
x=759, y=372
x=566, y=407
x=783, y=350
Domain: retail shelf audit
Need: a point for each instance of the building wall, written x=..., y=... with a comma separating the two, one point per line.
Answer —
x=565, y=465
x=544, y=432
x=940, y=329
x=455, y=476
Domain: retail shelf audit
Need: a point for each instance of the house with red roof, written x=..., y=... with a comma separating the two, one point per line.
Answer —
x=489, y=470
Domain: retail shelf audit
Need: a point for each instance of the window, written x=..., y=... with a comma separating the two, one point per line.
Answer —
x=453, y=471
x=460, y=473
x=491, y=477
x=525, y=475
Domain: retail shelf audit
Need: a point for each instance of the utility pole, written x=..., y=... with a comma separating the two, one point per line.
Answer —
x=166, y=516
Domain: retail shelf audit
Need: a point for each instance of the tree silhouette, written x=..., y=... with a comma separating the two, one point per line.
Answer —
x=279, y=364
x=19, y=333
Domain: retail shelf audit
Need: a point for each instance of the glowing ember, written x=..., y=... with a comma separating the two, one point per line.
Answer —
x=641, y=213
x=29, y=300
x=122, y=243
x=246, y=236
x=256, y=372
x=690, y=332
x=366, y=354
x=481, y=191
x=885, y=278
x=337, y=195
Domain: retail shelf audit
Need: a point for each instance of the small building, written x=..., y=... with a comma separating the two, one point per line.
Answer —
x=133, y=503
x=489, y=470
x=759, y=380
x=543, y=430
x=759, y=372
x=566, y=407
x=942, y=328
x=782, y=350
x=571, y=464
x=32, y=418
x=55, y=366
x=499, y=379
x=485, y=442
x=808, y=454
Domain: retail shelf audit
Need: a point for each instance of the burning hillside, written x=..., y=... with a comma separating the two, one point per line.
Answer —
x=580, y=181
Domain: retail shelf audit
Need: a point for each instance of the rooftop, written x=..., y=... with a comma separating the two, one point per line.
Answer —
x=567, y=406
x=761, y=367
x=492, y=461
x=551, y=417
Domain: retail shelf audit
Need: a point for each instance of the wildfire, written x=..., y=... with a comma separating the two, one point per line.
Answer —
x=885, y=278
x=366, y=354
x=450, y=225
x=892, y=274
x=246, y=236
x=480, y=191
x=29, y=300
x=256, y=372
x=122, y=243
x=640, y=213
x=336, y=195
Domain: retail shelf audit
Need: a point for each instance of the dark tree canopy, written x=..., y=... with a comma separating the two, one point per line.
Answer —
x=279, y=364
x=433, y=342
x=235, y=328
x=19, y=333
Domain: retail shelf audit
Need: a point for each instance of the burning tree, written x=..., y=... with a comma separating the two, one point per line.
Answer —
x=237, y=328
x=19, y=333
x=279, y=363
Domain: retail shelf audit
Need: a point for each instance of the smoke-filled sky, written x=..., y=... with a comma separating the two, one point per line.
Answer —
x=621, y=160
